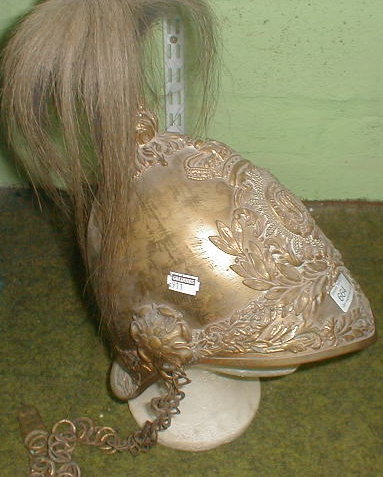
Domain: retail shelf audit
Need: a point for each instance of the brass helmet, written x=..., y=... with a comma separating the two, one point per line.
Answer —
x=227, y=268
x=195, y=254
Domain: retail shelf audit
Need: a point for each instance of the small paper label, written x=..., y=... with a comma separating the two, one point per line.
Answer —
x=182, y=283
x=342, y=292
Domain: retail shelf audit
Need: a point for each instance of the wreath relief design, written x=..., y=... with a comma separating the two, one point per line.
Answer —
x=270, y=265
x=277, y=250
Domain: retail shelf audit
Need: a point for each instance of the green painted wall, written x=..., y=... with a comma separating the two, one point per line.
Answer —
x=10, y=10
x=301, y=93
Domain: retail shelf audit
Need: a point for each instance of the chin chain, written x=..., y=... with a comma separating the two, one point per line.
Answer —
x=51, y=453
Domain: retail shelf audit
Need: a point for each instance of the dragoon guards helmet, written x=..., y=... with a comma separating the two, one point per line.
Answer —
x=227, y=268
x=195, y=254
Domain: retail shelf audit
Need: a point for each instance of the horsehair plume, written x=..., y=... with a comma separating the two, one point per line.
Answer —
x=72, y=83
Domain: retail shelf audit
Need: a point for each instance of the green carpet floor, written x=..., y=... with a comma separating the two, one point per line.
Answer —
x=325, y=420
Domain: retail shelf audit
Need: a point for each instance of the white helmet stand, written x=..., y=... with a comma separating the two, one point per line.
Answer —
x=217, y=407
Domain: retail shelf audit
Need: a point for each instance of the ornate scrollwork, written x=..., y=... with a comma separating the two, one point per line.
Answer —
x=208, y=162
x=150, y=150
x=282, y=255
x=270, y=264
x=257, y=329
x=278, y=251
x=345, y=328
x=147, y=126
x=205, y=160
x=266, y=329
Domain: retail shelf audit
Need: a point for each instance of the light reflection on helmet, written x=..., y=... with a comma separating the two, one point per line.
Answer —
x=226, y=268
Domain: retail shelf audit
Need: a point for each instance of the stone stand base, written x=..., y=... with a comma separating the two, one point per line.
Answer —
x=216, y=410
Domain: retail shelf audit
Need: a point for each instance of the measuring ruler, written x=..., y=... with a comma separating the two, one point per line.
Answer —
x=174, y=63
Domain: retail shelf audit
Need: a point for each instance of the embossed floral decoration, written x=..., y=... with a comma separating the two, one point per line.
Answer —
x=161, y=336
x=271, y=265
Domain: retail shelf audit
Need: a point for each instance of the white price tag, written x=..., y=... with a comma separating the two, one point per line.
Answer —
x=182, y=283
x=342, y=292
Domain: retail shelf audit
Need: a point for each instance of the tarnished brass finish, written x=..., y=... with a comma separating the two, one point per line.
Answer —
x=196, y=255
x=265, y=268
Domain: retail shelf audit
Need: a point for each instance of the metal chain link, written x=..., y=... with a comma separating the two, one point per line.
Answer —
x=50, y=454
